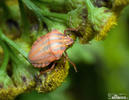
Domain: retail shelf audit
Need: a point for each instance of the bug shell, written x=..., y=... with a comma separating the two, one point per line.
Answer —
x=48, y=48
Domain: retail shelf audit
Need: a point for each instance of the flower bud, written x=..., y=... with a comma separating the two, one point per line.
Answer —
x=87, y=33
x=54, y=78
x=118, y=5
x=8, y=91
x=75, y=17
x=7, y=87
x=23, y=75
x=101, y=18
x=107, y=22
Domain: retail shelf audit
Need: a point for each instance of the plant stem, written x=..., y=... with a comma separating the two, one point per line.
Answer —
x=25, y=22
x=13, y=44
x=41, y=13
x=14, y=57
x=6, y=9
x=56, y=15
x=48, y=22
x=6, y=56
x=89, y=5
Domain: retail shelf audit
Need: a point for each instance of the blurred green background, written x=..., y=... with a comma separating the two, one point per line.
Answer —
x=103, y=68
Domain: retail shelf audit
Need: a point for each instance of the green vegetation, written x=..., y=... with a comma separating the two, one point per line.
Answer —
x=103, y=65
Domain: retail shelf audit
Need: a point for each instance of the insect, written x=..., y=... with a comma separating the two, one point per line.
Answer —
x=49, y=48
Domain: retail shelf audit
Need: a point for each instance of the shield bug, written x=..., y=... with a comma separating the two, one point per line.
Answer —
x=49, y=48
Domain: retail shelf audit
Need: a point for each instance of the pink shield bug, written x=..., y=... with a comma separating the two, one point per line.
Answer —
x=49, y=48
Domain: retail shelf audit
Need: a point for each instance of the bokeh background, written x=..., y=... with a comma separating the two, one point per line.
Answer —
x=103, y=68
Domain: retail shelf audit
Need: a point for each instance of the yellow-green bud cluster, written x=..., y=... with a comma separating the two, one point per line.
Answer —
x=106, y=27
x=101, y=19
x=22, y=77
x=8, y=91
x=118, y=5
x=53, y=79
x=87, y=33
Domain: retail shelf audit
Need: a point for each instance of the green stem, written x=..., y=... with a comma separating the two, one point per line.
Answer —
x=48, y=22
x=25, y=22
x=14, y=66
x=56, y=15
x=14, y=57
x=6, y=56
x=41, y=13
x=13, y=44
x=6, y=9
x=33, y=7
x=57, y=2
x=89, y=5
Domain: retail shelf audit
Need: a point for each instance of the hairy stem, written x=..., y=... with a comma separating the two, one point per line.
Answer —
x=89, y=5
x=41, y=13
x=13, y=44
x=6, y=56
x=25, y=22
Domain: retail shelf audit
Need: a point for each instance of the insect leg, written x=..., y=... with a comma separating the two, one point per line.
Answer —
x=69, y=29
x=66, y=55
x=52, y=67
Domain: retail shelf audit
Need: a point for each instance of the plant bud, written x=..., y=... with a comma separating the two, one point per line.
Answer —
x=87, y=33
x=23, y=76
x=107, y=21
x=54, y=78
x=75, y=17
x=118, y=5
x=8, y=91
x=101, y=18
